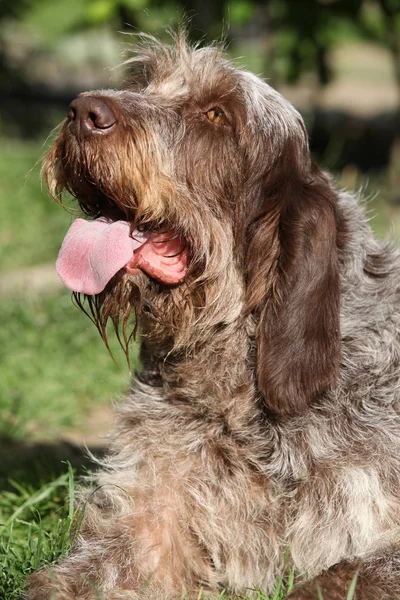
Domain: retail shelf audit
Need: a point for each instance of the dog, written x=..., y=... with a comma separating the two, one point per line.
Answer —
x=264, y=423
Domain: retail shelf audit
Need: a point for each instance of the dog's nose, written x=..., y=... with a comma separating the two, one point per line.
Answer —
x=89, y=115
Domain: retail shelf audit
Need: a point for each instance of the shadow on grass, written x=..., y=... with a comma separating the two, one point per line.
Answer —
x=33, y=463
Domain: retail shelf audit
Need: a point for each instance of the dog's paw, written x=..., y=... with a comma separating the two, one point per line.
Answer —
x=47, y=584
x=312, y=592
x=39, y=586
x=326, y=588
x=304, y=593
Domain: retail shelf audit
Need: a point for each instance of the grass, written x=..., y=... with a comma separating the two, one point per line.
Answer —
x=37, y=528
x=55, y=368
x=32, y=225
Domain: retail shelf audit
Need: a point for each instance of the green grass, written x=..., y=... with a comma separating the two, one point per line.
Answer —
x=36, y=528
x=55, y=367
x=32, y=225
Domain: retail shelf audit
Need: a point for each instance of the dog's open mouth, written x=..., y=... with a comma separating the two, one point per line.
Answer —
x=94, y=251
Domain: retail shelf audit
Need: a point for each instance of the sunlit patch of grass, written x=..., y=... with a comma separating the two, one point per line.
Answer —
x=37, y=526
x=54, y=366
x=32, y=224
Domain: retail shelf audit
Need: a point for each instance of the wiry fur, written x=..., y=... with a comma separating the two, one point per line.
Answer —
x=267, y=413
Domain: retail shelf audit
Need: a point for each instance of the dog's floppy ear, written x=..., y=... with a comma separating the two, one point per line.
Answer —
x=293, y=286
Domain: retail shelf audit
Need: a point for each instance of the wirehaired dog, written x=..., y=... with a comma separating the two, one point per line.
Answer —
x=266, y=416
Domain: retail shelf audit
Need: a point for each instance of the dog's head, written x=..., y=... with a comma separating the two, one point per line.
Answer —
x=230, y=219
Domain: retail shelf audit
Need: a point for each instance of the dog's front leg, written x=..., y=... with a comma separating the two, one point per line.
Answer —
x=377, y=579
x=96, y=569
x=132, y=544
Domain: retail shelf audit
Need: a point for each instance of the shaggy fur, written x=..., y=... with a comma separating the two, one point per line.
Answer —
x=266, y=416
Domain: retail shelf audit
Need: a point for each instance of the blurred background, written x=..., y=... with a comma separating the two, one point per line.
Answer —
x=338, y=61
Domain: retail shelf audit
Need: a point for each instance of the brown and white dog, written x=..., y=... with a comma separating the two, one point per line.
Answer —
x=266, y=416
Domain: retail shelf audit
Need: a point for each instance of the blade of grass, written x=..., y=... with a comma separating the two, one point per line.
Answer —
x=352, y=588
x=43, y=493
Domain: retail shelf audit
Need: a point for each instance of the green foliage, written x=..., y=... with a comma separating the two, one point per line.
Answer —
x=52, y=18
x=100, y=11
x=299, y=33
x=239, y=12
x=12, y=8
x=373, y=23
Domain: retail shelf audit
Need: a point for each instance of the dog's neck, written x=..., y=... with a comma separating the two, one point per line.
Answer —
x=212, y=377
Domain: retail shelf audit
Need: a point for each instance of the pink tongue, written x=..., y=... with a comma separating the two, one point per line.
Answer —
x=94, y=251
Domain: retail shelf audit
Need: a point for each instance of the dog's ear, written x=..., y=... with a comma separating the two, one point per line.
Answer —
x=293, y=286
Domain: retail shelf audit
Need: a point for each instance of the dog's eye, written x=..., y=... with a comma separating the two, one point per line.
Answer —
x=215, y=115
